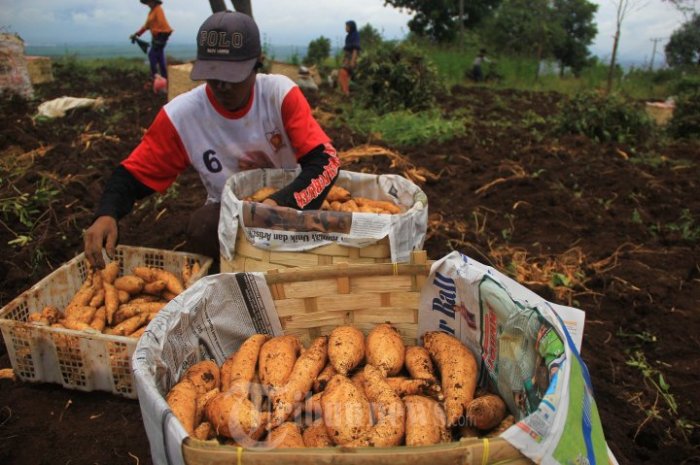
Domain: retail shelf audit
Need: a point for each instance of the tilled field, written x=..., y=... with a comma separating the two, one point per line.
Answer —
x=611, y=229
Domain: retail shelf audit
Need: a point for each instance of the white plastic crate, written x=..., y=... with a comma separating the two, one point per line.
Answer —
x=76, y=359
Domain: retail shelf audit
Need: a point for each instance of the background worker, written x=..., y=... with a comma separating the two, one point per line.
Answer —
x=477, y=66
x=238, y=120
x=351, y=50
x=160, y=32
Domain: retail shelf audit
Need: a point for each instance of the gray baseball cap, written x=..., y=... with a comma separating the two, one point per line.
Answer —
x=228, y=47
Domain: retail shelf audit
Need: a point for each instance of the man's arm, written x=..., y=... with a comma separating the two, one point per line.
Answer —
x=315, y=154
x=118, y=198
x=153, y=166
x=319, y=170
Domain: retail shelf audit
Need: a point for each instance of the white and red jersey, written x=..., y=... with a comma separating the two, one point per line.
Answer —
x=274, y=130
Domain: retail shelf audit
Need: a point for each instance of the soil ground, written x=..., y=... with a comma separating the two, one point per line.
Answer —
x=608, y=228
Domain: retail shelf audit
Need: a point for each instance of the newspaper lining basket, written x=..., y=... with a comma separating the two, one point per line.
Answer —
x=79, y=360
x=250, y=258
x=311, y=302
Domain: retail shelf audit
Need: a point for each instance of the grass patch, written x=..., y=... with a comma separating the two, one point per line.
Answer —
x=404, y=128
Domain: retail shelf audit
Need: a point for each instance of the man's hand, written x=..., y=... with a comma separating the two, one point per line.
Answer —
x=103, y=232
x=269, y=202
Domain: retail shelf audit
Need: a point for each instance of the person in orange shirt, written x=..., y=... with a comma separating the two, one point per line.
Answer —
x=160, y=31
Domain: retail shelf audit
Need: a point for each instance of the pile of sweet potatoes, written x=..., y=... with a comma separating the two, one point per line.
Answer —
x=339, y=199
x=346, y=389
x=117, y=305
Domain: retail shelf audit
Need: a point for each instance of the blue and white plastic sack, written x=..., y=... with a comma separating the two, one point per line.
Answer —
x=528, y=349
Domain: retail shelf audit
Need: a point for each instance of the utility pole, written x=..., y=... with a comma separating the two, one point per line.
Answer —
x=653, y=52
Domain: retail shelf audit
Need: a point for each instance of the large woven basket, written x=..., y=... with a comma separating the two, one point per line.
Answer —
x=250, y=258
x=310, y=303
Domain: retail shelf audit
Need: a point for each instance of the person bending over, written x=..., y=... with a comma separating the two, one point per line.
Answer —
x=237, y=120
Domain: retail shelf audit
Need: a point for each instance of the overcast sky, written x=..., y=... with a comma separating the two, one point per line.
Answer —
x=46, y=22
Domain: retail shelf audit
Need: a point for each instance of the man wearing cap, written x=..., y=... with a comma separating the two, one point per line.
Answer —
x=238, y=120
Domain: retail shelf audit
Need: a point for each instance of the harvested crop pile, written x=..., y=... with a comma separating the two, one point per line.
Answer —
x=345, y=389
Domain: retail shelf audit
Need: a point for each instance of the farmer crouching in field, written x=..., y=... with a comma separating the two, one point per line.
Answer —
x=238, y=120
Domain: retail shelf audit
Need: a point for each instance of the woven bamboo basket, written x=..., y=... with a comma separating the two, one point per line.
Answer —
x=250, y=258
x=310, y=303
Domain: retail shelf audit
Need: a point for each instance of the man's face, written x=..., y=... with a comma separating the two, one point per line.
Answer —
x=232, y=95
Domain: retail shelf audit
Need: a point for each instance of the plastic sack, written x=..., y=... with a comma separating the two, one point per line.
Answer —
x=57, y=108
x=526, y=351
x=14, y=74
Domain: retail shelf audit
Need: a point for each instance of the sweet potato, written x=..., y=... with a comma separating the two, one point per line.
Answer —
x=426, y=422
x=313, y=407
x=123, y=296
x=301, y=379
x=408, y=386
x=139, y=332
x=418, y=363
x=126, y=327
x=389, y=207
x=154, y=287
x=390, y=427
x=486, y=412
x=82, y=314
x=458, y=372
x=111, y=301
x=349, y=206
x=37, y=319
x=146, y=273
x=346, y=411
x=322, y=379
x=51, y=314
x=506, y=423
x=203, y=431
x=99, y=319
x=337, y=193
x=182, y=400
x=285, y=436
x=385, y=349
x=242, y=363
x=110, y=272
x=276, y=360
x=261, y=194
x=76, y=325
x=346, y=348
x=202, y=400
x=204, y=375
x=234, y=416
x=98, y=298
x=316, y=435
x=129, y=283
x=172, y=283
x=126, y=311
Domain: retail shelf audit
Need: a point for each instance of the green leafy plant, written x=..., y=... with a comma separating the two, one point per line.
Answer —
x=685, y=122
x=394, y=77
x=604, y=118
x=318, y=51
x=27, y=208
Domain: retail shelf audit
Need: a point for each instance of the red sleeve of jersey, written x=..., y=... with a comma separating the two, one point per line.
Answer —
x=160, y=157
x=302, y=128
